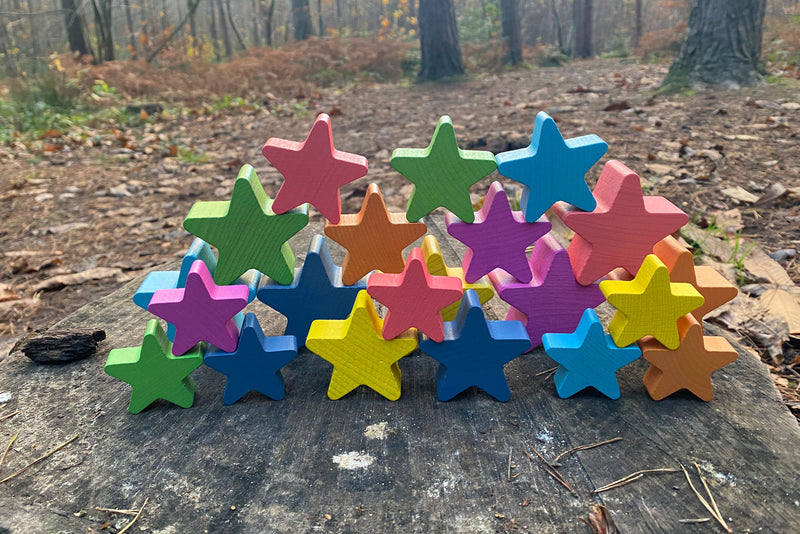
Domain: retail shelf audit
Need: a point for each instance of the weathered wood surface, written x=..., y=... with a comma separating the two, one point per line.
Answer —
x=442, y=467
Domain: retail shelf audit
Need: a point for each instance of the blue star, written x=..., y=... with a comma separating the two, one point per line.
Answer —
x=317, y=292
x=199, y=250
x=256, y=363
x=474, y=351
x=554, y=167
x=588, y=357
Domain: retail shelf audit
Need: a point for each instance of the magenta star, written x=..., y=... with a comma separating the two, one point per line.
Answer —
x=498, y=238
x=201, y=311
x=553, y=302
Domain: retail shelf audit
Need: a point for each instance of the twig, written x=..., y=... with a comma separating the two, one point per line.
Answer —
x=546, y=371
x=36, y=461
x=584, y=447
x=9, y=415
x=549, y=471
x=711, y=510
x=541, y=457
x=634, y=476
x=698, y=520
x=509, y=463
x=116, y=511
x=3, y=459
x=129, y=525
x=708, y=491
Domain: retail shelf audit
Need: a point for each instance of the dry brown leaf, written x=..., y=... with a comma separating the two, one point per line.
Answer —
x=785, y=304
x=600, y=520
x=741, y=194
x=761, y=265
x=6, y=293
x=59, y=282
x=771, y=194
x=729, y=221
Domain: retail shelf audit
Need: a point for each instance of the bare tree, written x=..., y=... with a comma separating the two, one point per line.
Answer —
x=103, y=30
x=438, y=37
x=74, y=23
x=226, y=36
x=301, y=20
x=582, y=15
x=637, y=24
x=512, y=32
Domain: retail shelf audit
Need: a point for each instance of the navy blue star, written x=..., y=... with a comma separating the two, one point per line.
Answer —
x=317, y=292
x=256, y=363
x=475, y=350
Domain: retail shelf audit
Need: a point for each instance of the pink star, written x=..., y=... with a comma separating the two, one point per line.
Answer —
x=414, y=298
x=313, y=171
x=498, y=238
x=201, y=311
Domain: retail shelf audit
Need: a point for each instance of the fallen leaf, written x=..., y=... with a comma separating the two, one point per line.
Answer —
x=622, y=105
x=741, y=194
x=659, y=169
x=759, y=264
x=729, y=221
x=771, y=194
x=59, y=282
x=786, y=304
x=6, y=293
x=600, y=520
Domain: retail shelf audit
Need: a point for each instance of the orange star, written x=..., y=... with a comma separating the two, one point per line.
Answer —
x=373, y=237
x=714, y=287
x=687, y=367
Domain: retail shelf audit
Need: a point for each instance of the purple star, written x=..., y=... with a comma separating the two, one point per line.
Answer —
x=498, y=238
x=553, y=301
x=201, y=311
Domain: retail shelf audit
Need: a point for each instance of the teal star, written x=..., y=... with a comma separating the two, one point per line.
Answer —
x=247, y=233
x=442, y=173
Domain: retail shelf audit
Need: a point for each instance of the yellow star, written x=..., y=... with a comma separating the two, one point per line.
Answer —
x=649, y=305
x=358, y=352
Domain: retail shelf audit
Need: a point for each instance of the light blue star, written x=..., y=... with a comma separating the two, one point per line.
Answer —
x=474, y=351
x=588, y=357
x=256, y=363
x=552, y=168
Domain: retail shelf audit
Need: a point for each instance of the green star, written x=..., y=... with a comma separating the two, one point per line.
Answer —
x=248, y=234
x=153, y=372
x=442, y=173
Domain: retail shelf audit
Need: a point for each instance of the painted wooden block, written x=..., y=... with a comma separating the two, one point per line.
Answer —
x=153, y=372
x=553, y=301
x=588, y=357
x=649, y=305
x=198, y=250
x=714, y=287
x=554, y=167
x=374, y=238
x=358, y=352
x=498, y=239
x=474, y=351
x=317, y=292
x=689, y=366
x=414, y=298
x=442, y=173
x=437, y=267
x=247, y=233
x=623, y=228
x=201, y=311
x=256, y=363
x=313, y=171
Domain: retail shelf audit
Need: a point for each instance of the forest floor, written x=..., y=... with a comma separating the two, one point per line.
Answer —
x=83, y=214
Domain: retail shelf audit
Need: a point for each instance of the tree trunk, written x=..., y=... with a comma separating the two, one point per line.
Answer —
x=77, y=42
x=319, y=15
x=226, y=36
x=212, y=29
x=722, y=45
x=238, y=35
x=192, y=23
x=637, y=24
x=438, y=38
x=256, y=30
x=105, y=38
x=559, y=31
x=582, y=12
x=512, y=33
x=301, y=19
x=131, y=29
x=268, y=23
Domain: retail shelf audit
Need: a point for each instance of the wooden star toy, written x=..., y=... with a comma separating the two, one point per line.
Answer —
x=474, y=351
x=358, y=352
x=437, y=267
x=714, y=287
x=198, y=250
x=247, y=233
x=442, y=173
x=256, y=363
x=153, y=372
x=485, y=251
x=414, y=298
x=649, y=305
x=554, y=168
x=553, y=301
x=374, y=238
x=588, y=358
x=623, y=228
x=201, y=311
x=313, y=171
x=689, y=366
x=317, y=292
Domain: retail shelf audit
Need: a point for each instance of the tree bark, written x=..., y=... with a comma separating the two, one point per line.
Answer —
x=268, y=23
x=77, y=42
x=105, y=38
x=212, y=29
x=301, y=19
x=512, y=32
x=238, y=35
x=256, y=30
x=722, y=45
x=438, y=37
x=559, y=31
x=582, y=12
x=226, y=36
x=637, y=24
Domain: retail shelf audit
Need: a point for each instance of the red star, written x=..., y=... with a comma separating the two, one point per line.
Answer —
x=414, y=298
x=313, y=171
x=623, y=228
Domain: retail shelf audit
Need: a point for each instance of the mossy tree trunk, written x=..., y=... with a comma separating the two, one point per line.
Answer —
x=722, y=46
x=438, y=36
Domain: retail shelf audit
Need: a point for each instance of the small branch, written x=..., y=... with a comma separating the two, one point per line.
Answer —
x=549, y=471
x=116, y=511
x=175, y=31
x=584, y=447
x=9, y=415
x=509, y=463
x=634, y=476
x=692, y=521
x=546, y=371
x=36, y=461
x=3, y=459
x=129, y=525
